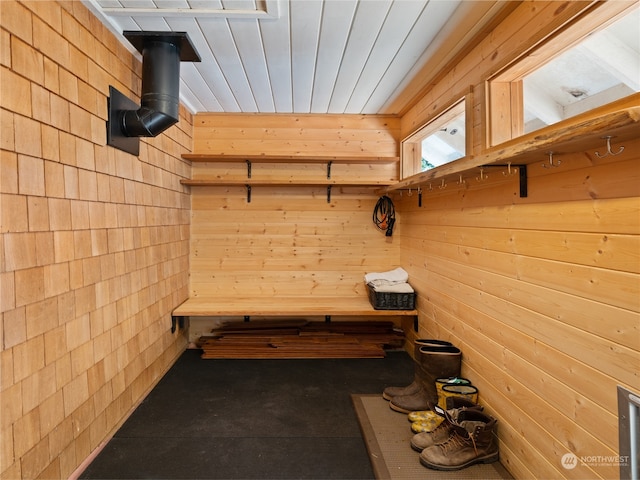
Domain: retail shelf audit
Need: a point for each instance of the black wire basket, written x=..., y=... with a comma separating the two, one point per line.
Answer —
x=391, y=300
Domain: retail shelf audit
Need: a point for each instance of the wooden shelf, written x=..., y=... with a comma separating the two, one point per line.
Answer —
x=205, y=157
x=619, y=120
x=292, y=159
x=248, y=183
x=284, y=183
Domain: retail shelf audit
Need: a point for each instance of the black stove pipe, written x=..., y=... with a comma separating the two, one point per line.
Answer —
x=159, y=107
x=160, y=99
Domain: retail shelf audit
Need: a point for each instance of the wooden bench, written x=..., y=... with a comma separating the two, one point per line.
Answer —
x=281, y=306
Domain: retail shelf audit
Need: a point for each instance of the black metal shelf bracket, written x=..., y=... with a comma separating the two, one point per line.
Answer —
x=248, y=193
x=248, y=168
x=177, y=322
x=522, y=175
x=328, y=193
x=329, y=169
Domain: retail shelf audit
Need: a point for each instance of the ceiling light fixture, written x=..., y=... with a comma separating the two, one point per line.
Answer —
x=576, y=93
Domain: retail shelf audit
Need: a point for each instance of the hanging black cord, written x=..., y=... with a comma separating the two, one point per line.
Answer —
x=384, y=215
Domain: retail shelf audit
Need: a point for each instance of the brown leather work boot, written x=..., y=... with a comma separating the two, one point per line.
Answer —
x=472, y=441
x=432, y=362
x=455, y=406
x=414, y=387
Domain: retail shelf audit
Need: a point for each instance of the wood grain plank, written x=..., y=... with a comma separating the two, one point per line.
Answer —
x=398, y=22
x=616, y=288
x=335, y=28
x=247, y=34
x=296, y=133
x=615, y=252
x=305, y=33
x=216, y=31
x=283, y=306
x=475, y=328
x=299, y=147
x=277, y=39
x=611, y=216
x=366, y=26
x=288, y=159
x=280, y=182
x=531, y=308
x=296, y=121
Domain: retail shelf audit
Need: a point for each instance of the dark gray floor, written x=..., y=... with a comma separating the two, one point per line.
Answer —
x=251, y=419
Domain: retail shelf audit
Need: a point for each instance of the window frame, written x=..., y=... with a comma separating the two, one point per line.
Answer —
x=504, y=91
x=411, y=145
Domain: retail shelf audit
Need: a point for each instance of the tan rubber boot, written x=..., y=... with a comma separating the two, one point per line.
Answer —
x=433, y=363
x=472, y=441
x=414, y=387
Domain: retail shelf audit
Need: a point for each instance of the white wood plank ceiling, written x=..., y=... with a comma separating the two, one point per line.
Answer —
x=358, y=56
x=306, y=56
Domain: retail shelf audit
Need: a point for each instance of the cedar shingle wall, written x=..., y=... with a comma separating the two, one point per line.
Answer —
x=94, y=241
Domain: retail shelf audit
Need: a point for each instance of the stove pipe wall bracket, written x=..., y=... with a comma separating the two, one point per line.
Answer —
x=162, y=53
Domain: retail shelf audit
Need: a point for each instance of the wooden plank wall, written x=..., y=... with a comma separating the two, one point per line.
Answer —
x=310, y=134
x=288, y=243
x=288, y=240
x=542, y=294
x=94, y=248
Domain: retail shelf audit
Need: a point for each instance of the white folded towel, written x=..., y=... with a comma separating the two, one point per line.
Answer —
x=395, y=288
x=398, y=275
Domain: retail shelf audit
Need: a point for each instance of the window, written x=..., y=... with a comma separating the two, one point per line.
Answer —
x=442, y=140
x=600, y=67
x=445, y=144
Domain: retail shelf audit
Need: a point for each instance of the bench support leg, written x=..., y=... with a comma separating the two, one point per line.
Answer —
x=247, y=318
x=415, y=323
x=327, y=318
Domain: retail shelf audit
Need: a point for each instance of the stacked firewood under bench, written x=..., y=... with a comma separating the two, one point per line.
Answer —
x=301, y=339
